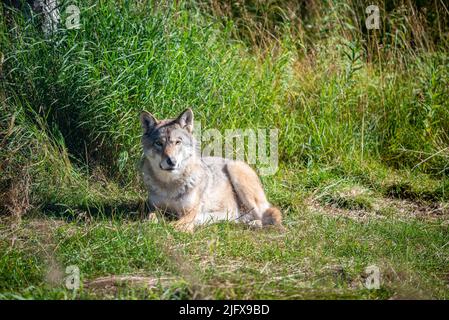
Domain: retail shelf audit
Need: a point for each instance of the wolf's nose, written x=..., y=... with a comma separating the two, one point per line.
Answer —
x=171, y=162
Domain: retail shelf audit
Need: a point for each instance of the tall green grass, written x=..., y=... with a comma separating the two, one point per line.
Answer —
x=340, y=95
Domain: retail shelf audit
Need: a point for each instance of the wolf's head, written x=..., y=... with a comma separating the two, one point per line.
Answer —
x=168, y=144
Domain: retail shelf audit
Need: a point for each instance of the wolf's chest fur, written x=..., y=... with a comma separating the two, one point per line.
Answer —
x=204, y=186
x=168, y=192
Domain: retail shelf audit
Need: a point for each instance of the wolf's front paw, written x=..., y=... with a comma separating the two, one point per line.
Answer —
x=184, y=227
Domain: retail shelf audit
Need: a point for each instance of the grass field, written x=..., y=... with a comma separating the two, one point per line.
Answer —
x=363, y=122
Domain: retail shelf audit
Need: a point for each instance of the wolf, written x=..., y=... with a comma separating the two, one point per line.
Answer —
x=198, y=190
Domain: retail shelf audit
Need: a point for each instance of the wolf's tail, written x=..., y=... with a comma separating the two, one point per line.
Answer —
x=272, y=216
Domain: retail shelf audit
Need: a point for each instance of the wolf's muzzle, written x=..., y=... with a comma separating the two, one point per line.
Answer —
x=168, y=164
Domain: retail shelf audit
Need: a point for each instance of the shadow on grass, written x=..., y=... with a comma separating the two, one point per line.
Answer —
x=130, y=210
x=406, y=191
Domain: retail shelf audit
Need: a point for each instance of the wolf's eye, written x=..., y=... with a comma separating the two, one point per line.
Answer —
x=178, y=142
x=158, y=144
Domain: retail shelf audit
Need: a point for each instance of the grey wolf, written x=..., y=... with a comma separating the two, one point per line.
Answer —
x=198, y=190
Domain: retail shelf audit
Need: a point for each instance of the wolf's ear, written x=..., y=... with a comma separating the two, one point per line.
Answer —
x=185, y=120
x=148, y=121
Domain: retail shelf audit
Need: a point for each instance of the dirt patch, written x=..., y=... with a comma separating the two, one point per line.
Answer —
x=351, y=198
x=140, y=285
x=420, y=210
x=332, y=210
x=111, y=282
x=385, y=208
